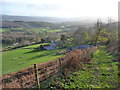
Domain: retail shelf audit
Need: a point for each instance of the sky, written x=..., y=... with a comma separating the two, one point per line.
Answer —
x=61, y=8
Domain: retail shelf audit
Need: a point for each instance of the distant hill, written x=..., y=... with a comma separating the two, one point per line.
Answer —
x=46, y=19
x=26, y=18
x=27, y=24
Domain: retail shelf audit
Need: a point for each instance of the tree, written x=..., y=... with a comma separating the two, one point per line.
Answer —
x=37, y=39
x=48, y=39
x=81, y=36
x=102, y=36
x=26, y=42
x=42, y=40
x=63, y=38
x=86, y=38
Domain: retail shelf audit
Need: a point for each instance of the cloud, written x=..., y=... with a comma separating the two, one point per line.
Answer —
x=26, y=9
x=61, y=8
x=33, y=1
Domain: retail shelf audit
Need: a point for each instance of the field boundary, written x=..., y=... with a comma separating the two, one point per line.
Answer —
x=25, y=78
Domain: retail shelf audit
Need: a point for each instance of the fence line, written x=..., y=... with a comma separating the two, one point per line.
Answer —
x=27, y=78
x=36, y=75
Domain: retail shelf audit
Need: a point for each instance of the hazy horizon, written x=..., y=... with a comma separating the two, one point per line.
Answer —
x=61, y=8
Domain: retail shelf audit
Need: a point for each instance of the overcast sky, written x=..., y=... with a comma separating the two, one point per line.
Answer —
x=61, y=8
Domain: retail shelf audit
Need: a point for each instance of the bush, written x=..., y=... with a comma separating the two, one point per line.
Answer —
x=74, y=59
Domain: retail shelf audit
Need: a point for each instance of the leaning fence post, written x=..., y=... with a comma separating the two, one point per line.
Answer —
x=60, y=64
x=36, y=75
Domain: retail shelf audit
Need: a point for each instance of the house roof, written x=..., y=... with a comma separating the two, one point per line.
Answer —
x=49, y=48
x=83, y=46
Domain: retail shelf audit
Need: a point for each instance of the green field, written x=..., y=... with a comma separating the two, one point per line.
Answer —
x=101, y=73
x=17, y=28
x=18, y=59
x=35, y=46
x=34, y=29
x=56, y=30
x=1, y=30
x=46, y=30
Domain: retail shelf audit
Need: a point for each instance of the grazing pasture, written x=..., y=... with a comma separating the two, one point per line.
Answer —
x=46, y=30
x=1, y=30
x=20, y=58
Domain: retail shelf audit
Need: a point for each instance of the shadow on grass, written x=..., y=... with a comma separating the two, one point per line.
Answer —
x=33, y=51
x=39, y=56
x=43, y=55
x=50, y=53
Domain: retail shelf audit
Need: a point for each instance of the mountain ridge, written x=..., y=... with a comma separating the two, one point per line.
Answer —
x=45, y=19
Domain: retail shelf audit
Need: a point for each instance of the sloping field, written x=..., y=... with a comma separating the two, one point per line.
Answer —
x=26, y=78
x=101, y=72
x=17, y=59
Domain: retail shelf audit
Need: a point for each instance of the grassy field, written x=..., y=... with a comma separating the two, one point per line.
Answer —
x=17, y=28
x=1, y=30
x=102, y=73
x=17, y=59
x=34, y=29
x=36, y=45
x=46, y=30
x=56, y=30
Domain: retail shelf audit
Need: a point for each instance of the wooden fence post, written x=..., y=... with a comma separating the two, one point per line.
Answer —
x=36, y=75
x=60, y=64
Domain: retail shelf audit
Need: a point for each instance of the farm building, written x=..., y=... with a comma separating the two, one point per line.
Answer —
x=83, y=46
x=53, y=44
x=46, y=47
x=79, y=47
x=50, y=46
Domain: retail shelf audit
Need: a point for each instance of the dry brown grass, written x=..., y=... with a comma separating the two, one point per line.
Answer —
x=71, y=61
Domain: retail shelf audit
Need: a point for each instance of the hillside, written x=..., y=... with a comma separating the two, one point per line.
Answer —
x=27, y=18
x=100, y=72
x=32, y=31
x=60, y=44
x=17, y=59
